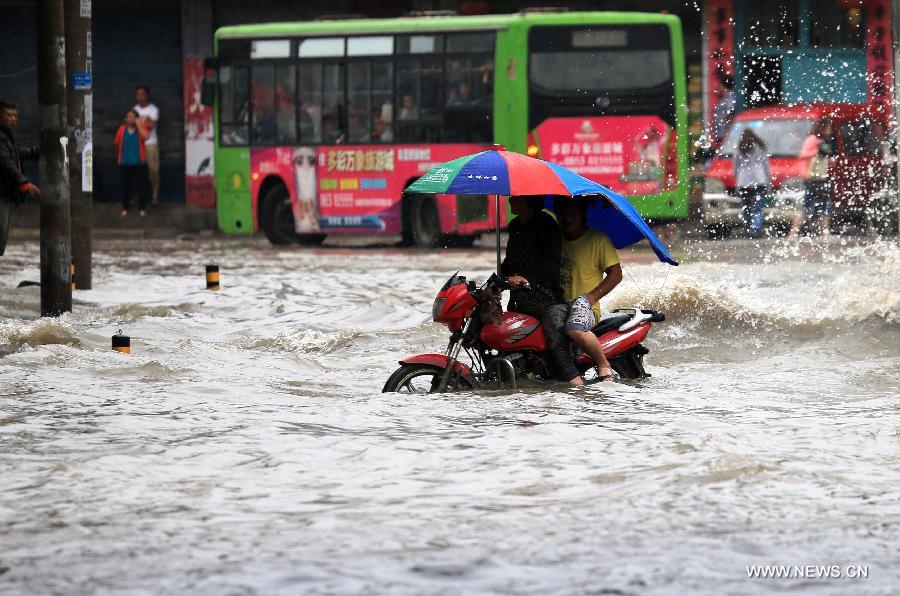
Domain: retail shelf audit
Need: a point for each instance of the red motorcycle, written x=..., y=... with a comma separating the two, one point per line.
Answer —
x=512, y=348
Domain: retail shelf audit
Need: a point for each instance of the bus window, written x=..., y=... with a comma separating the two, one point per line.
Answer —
x=469, y=90
x=234, y=105
x=358, y=102
x=420, y=44
x=369, y=106
x=382, y=105
x=262, y=101
x=332, y=104
x=370, y=46
x=600, y=71
x=310, y=93
x=468, y=43
x=419, y=100
x=273, y=93
x=285, y=104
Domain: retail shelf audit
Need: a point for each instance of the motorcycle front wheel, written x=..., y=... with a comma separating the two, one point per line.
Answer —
x=422, y=379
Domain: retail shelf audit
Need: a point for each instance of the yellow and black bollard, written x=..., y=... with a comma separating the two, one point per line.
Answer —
x=72, y=273
x=212, y=278
x=121, y=343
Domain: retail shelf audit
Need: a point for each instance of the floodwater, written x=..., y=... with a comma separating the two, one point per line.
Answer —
x=244, y=446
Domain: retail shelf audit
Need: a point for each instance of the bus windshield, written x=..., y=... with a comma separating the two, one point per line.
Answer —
x=601, y=70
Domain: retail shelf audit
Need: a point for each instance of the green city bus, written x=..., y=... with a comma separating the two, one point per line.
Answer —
x=319, y=126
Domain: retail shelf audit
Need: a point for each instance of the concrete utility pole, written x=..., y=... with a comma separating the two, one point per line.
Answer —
x=80, y=131
x=56, y=288
x=895, y=26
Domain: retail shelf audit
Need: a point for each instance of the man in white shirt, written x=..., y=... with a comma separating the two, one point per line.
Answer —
x=149, y=115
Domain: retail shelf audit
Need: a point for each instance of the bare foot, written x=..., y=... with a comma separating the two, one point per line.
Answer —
x=143, y=213
x=605, y=373
x=124, y=212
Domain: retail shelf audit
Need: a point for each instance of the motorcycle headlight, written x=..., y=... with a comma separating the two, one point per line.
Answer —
x=437, y=308
x=714, y=186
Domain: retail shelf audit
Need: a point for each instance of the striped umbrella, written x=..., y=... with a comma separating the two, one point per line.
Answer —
x=499, y=172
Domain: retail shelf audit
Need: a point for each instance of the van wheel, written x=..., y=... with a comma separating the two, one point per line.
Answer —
x=277, y=218
x=421, y=225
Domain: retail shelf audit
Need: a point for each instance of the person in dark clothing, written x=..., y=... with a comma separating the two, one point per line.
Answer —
x=533, y=250
x=531, y=267
x=13, y=182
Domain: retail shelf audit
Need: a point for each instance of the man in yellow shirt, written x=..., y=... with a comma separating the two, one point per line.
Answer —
x=589, y=270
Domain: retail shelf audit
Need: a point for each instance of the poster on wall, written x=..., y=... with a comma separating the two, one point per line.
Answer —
x=198, y=139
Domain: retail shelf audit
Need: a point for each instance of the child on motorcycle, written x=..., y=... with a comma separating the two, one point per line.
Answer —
x=589, y=270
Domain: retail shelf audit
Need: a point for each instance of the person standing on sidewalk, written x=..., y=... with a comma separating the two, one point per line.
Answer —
x=149, y=118
x=13, y=182
x=751, y=167
x=132, y=161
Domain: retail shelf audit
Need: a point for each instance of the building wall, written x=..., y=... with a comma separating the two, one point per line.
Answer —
x=808, y=73
x=133, y=42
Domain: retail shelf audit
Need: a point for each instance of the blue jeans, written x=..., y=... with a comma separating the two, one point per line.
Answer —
x=753, y=199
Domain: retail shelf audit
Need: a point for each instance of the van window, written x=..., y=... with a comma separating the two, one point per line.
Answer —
x=783, y=137
x=860, y=139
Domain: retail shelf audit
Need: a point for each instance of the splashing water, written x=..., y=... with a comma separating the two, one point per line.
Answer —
x=244, y=445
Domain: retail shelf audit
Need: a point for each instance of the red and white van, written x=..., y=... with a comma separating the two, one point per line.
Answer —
x=857, y=168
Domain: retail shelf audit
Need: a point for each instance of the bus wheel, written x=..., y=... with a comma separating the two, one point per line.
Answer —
x=459, y=241
x=310, y=239
x=277, y=218
x=421, y=226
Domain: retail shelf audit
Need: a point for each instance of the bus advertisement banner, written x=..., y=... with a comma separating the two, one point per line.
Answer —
x=349, y=188
x=624, y=153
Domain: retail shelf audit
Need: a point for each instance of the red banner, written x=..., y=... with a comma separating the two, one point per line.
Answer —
x=879, y=52
x=719, y=50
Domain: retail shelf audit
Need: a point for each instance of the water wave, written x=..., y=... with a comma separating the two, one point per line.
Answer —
x=16, y=335
x=707, y=303
x=305, y=341
x=131, y=311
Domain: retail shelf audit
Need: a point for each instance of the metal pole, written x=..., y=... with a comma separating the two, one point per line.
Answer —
x=80, y=129
x=56, y=288
x=497, y=207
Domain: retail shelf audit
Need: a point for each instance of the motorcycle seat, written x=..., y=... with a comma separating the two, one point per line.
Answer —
x=611, y=321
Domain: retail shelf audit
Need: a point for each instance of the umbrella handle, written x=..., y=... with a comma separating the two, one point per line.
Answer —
x=497, y=230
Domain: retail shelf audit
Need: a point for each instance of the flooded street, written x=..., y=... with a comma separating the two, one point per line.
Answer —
x=244, y=446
